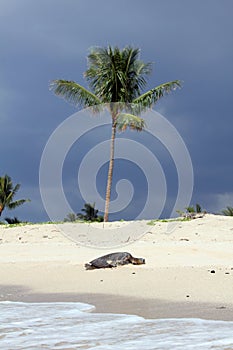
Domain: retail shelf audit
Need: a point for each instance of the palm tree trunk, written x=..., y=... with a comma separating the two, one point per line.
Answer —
x=110, y=172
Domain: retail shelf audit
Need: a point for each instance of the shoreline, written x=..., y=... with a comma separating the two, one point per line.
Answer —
x=146, y=308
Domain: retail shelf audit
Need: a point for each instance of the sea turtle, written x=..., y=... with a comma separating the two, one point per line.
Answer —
x=113, y=260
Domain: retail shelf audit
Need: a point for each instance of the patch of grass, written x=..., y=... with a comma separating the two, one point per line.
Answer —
x=43, y=223
x=17, y=224
x=153, y=222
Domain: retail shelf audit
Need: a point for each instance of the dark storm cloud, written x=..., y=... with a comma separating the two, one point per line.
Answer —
x=187, y=40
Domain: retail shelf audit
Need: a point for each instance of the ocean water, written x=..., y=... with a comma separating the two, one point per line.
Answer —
x=70, y=326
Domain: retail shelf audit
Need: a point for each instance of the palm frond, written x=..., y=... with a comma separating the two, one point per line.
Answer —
x=127, y=120
x=228, y=211
x=6, y=183
x=15, y=204
x=12, y=192
x=150, y=97
x=16, y=188
x=74, y=93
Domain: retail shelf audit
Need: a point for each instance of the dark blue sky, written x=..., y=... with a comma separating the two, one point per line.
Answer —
x=187, y=40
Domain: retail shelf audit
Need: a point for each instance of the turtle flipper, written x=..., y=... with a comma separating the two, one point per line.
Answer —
x=112, y=264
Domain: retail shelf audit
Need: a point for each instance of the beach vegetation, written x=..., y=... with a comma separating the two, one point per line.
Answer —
x=22, y=223
x=228, y=211
x=154, y=221
x=90, y=213
x=117, y=78
x=194, y=209
x=71, y=217
x=7, y=194
x=13, y=220
x=192, y=212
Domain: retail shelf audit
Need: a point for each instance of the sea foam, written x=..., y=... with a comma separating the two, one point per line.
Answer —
x=70, y=326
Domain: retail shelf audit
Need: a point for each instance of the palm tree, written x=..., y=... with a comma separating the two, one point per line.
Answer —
x=114, y=76
x=7, y=194
x=71, y=217
x=91, y=214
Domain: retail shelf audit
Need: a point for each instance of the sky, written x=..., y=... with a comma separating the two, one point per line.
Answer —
x=184, y=39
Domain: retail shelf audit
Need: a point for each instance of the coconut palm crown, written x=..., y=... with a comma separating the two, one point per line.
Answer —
x=7, y=194
x=115, y=76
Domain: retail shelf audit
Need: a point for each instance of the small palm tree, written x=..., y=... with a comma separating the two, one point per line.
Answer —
x=115, y=76
x=12, y=221
x=228, y=211
x=196, y=209
x=7, y=194
x=71, y=217
x=91, y=214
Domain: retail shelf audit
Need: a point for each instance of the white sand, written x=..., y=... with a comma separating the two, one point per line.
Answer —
x=178, y=265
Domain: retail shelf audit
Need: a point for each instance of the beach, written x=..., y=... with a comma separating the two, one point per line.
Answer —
x=188, y=271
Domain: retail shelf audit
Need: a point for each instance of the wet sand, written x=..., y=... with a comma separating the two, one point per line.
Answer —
x=147, y=308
